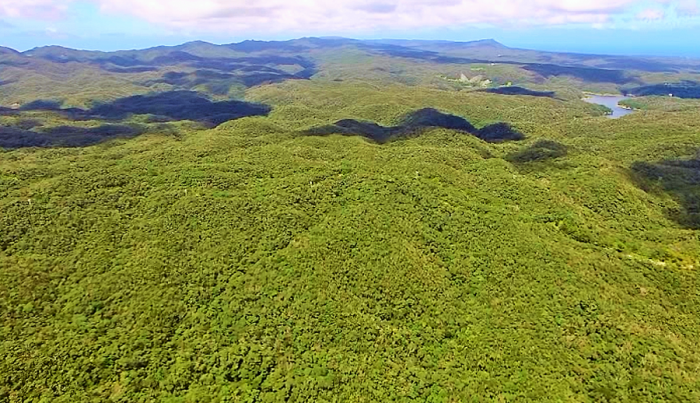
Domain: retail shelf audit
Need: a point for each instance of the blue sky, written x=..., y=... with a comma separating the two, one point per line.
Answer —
x=653, y=27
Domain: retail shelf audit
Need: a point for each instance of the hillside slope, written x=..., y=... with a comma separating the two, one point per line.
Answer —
x=175, y=253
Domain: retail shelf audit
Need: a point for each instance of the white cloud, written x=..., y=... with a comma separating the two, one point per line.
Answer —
x=40, y=9
x=363, y=15
x=651, y=14
x=348, y=16
x=688, y=8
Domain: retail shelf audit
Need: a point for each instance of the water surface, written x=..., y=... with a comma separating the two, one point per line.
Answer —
x=611, y=102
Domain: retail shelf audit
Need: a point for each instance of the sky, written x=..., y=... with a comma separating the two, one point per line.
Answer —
x=649, y=27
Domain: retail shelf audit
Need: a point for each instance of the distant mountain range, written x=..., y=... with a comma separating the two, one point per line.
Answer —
x=79, y=77
x=487, y=50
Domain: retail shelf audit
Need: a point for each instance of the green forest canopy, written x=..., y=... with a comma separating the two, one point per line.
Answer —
x=251, y=262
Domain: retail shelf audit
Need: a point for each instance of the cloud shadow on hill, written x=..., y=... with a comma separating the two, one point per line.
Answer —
x=164, y=106
x=519, y=91
x=249, y=71
x=179, y=105
x=684, y=89
x=413, y=124
x=590, y=74
x=679, y=178
x=543, y=150
x=64, y=136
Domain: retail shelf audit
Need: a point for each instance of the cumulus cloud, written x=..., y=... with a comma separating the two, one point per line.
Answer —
x=339, y=16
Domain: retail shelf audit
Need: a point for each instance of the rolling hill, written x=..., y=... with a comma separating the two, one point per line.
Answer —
x=328, y=219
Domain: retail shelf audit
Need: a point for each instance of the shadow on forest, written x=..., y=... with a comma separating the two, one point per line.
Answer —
x=414, y=123
x=543, y=150
x=64, y=136
x=164, y=106
x=253, y=70
x=590, y=74
x=628, y=63
x=684, y=89
x=680, y=179
x=179, y=105
x=250, y=71
x=519, y=91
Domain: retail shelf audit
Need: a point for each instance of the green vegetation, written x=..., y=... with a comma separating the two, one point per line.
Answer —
x=253, y=263
x=667, y=104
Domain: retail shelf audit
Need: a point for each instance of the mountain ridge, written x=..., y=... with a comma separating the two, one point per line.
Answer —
x=305, y=42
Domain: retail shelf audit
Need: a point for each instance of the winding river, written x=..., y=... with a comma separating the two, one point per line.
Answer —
x=611, y=102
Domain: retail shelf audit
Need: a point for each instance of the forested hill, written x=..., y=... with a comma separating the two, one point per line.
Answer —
x=77, y=78
x=332, y=220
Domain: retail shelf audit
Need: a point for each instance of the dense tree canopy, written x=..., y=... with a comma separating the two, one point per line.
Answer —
x=159, y=259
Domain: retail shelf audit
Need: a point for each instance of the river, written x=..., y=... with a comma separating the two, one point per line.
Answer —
x=611, y=102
